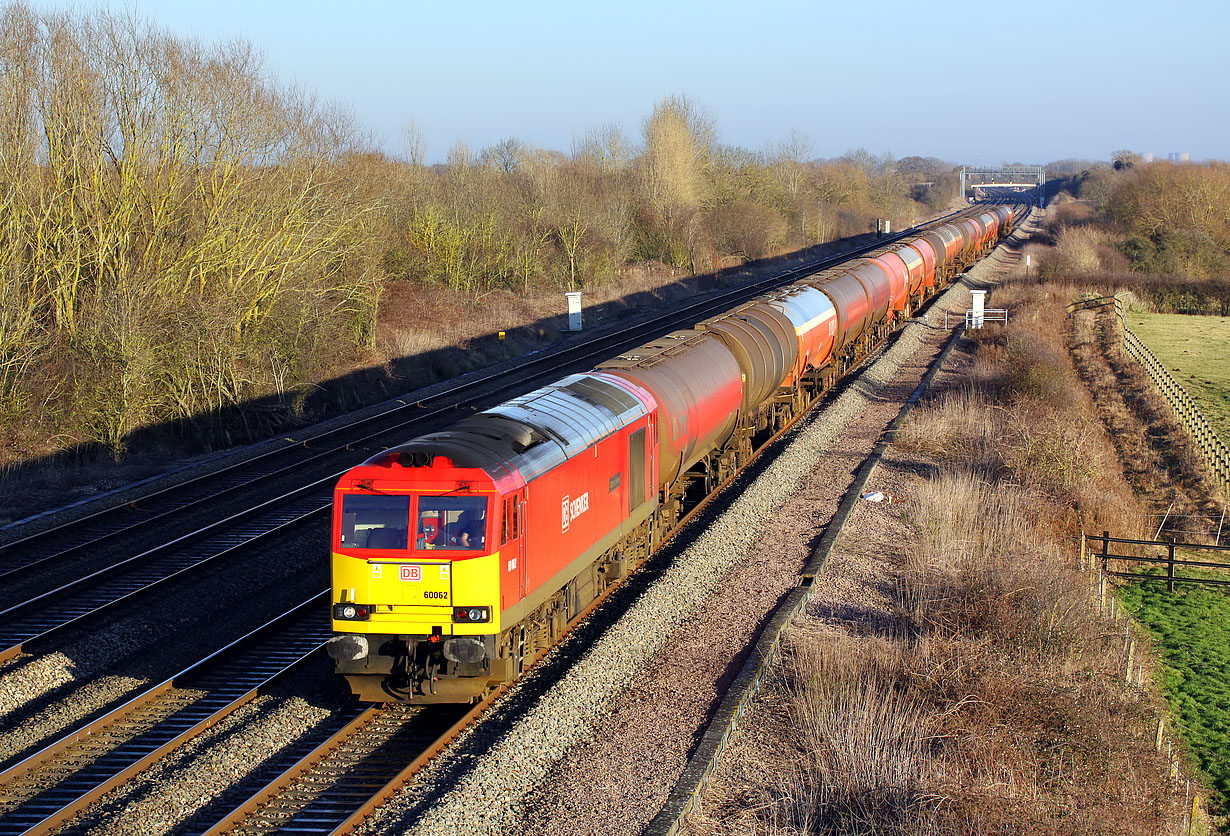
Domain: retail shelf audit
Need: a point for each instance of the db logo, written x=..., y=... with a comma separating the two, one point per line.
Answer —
x=573, y=508
x=411, y=573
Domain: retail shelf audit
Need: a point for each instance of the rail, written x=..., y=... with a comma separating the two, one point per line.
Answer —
x=45, y=790
x=129, y=769
x=1101, y=547
x=1187, y=413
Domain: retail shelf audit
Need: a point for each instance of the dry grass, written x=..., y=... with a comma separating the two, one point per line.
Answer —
x=862, y=741
x=989, y=696
x=994, y=707
x=1157, y=458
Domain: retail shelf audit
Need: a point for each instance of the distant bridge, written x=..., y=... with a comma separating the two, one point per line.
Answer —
x=979, y=179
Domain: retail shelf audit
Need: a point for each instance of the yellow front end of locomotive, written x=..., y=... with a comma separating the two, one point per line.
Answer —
x=420, y=597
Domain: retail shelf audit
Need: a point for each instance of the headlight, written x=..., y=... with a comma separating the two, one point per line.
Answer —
x=351, y=612
x=471, y=615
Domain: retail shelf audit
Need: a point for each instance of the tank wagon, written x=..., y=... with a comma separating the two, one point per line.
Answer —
x=460, y=555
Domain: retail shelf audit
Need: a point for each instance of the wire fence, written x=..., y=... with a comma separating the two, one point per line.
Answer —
x=1187, y=413
x=1194, y=527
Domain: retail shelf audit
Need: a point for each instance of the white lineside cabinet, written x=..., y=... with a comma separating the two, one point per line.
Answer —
x=574, y=310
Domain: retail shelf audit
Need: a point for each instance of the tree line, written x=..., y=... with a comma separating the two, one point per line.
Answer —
x=180, y=233
x=1159, y=218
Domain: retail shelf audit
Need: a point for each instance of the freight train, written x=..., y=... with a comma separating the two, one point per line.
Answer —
x=460, y=555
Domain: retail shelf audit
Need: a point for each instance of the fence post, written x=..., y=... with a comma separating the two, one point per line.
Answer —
x=1170, y=567
x=1105, y=549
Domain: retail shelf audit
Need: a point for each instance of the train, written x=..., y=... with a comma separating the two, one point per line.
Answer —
x=459, y=556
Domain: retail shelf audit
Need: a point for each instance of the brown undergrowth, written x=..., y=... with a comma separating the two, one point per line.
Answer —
x=985, y=693
x=1160, y=462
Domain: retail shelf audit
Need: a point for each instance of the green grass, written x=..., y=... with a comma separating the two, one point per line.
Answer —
x=1196, y=352
x=1191, y=627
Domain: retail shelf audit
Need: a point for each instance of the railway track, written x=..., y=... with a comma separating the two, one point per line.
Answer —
x=333, y=788
x=330, y=788
x=41, y=619
x=318, y=457
x=49, y=788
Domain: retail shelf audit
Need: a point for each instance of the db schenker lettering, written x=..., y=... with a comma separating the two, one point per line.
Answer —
x=573, y=508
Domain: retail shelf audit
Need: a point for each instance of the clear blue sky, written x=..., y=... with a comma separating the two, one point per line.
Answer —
x=962, y=81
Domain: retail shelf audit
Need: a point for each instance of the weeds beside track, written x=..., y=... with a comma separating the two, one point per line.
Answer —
x=984, y=690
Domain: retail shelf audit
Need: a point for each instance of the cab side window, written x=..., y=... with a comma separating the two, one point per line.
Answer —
x=511, y=527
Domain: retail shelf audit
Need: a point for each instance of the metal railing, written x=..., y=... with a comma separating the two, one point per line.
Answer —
x=972, y=321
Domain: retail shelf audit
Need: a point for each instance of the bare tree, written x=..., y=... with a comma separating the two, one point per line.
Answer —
x=153, y=188
x=679, y=140
x=789, y=158
x=413, y=144
x=605, y=148
x=506, y=155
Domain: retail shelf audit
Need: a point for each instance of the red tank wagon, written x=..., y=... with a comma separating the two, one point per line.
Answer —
x=915, y=267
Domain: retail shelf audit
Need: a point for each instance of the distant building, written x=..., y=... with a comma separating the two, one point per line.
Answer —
x=1147, y=157
x=1179, y=157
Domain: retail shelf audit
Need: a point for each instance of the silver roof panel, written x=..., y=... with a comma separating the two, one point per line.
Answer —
x=539, y=430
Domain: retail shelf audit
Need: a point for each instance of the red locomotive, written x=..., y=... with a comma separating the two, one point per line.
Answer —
x=458, y=556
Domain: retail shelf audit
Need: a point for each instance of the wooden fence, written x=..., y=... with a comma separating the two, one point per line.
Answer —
x=1130, y=565
x=1189, y=416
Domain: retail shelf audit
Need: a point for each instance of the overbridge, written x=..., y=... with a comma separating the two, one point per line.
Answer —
x=978, y=181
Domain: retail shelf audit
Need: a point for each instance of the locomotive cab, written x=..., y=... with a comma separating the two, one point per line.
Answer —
x=416, y=605
x=447, y=580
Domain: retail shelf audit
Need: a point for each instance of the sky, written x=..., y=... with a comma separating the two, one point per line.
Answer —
x=967, y=82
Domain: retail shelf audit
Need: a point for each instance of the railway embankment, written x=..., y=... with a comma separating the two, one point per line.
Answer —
x=956, y=669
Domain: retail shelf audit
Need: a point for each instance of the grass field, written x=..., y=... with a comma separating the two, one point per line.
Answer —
x=1192, y=625
x=1192, y=629
x=1196, y=351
